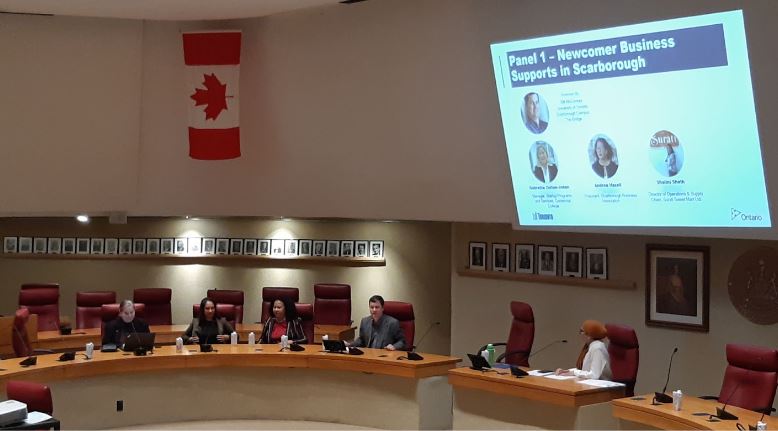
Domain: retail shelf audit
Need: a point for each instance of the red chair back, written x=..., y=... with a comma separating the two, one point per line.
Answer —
x=403, y=311
x=109, y=312
x=88, y=308
x=20, y=341
x=157, y=301
x=234, y=297
x=332, y=304
x=37, y=396
x=222, y=310
x=521, y=336
x=43, y=301
x=26, y=286
x=624, y=353
x=751, y=377
x=305, y=313
x=273, y=293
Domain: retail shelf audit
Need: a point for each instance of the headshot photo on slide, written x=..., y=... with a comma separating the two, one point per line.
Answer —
x=542, y=160
x=534, y=113
x=603, y=156
x=666, y=153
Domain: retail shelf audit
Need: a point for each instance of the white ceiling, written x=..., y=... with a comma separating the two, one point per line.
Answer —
x=178, y=10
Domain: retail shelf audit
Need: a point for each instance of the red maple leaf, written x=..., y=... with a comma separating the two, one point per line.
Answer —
x=214, y=96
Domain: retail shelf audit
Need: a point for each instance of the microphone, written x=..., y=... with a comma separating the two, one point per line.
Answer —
x=546, y=347
x=721, y=412
x=413, y=356
x=756, y=427
x=662, y=397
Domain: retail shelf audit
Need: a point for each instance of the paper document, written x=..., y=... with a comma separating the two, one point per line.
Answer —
x=36, y=417
x=601, y=383
x=555, y=377
x=538, y=373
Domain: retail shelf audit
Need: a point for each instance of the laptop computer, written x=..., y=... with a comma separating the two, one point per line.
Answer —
x=139, y=339
x=334, y=346
x=478, y=362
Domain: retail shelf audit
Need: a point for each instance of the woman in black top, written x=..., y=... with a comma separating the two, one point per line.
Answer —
x=283, y=321
x=206, y=328
x=117, y=330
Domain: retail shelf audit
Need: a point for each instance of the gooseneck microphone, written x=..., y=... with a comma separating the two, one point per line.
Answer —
x=721, y=412
x=545, y=347
x=412, y=355
x=662, y=397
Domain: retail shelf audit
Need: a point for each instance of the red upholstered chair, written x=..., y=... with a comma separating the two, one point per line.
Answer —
x=26, y=286
x=403, y=311
x=521, y=336
x=624, y=352
x=157, y=301
x=273, y=293
x=305, y=313
x=750, y=378
x=228, y=311
x=43, y=301
x=88, y=308
x=332, y=304
x=37, y=396
x=234, y=297
x=19, y=338
x=110, y=312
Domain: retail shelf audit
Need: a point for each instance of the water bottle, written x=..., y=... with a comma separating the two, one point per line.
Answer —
x=761, y=426
x=284, y=342
x=90, y=350
x=485, y=355
x=252, y=339
x=234, y=338
x=325, y=337
x=490, y=349
x=677, y=398
x=179, y=345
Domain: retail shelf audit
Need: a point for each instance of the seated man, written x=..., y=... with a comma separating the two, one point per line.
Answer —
x=117, y=330
x=379, y=331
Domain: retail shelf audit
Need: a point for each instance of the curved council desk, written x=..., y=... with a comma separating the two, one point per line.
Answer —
x=498, y=400
x=244, y=382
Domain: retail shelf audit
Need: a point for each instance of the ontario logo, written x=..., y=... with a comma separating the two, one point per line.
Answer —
x=736, y=214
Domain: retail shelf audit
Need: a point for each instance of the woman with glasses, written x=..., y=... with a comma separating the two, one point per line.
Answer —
x=593, y=361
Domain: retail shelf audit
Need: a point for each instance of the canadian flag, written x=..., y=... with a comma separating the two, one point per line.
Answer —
x=213, y=63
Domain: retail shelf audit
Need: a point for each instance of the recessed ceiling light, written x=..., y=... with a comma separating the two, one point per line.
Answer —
x=83, y=218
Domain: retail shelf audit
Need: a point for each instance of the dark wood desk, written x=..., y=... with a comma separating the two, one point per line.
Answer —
x=694, y=414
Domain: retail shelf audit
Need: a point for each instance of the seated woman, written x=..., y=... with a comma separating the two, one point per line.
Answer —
x=206, y=328
x=284, y=321
x=117, y=330
x=593, y=361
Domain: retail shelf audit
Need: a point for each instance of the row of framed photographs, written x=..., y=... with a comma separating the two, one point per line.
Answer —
x=573, y=264
x=196, y=246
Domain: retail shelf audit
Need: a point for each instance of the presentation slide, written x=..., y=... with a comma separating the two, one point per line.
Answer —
x=642, y=125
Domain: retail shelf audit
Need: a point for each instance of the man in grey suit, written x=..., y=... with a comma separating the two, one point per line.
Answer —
x=379, y=331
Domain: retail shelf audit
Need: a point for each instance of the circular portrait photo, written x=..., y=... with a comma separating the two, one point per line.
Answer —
x=534, y=113
x=542, y=161
x=603, y=156
x=666, y=153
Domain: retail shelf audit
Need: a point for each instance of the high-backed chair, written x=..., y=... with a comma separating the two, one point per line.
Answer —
x=305, y=313
x=36, y=395
x=332, y=304
x=43, y=301
x=109, y=312
x=751, y=377
x=228, y=311
x=88, y=308
x=273, y=293
x=624, y=353
x=19, y=338
x=520, y=337
x=26, y=286
x=403, y=311
x=234, y=297
x=157, y=301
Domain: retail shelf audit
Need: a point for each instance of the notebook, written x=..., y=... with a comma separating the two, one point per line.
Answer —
x=478, y=362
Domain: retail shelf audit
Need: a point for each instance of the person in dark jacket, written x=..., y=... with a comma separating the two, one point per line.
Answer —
x=117, y=330
x=283, y=321
x=206, y=328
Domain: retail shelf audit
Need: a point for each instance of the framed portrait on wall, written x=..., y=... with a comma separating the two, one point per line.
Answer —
x=547, y=260
x=333, y=248
x=194, y=245
x=55, y=246
x=597, y=263
x=209, y=245
x=250, y=247
x=111, y=245
x=318, y=247
x=347, y=248
x=39, y=245
x=10, y=244
x=139, y=246
x=82, y=246
x=277, y=247
x=500, y=257
x=98, y=245
x=236, y=246
x=180, y=246
x=222, y=246
x=477, y=253
x=25, y=244
x=152, y=245
x=68, y=245
x=572, y=262
x=376, y=249
x=166, y=244
x=263, y=247
x=360, y=248
x=290, y=246
x=525, y=258
x=677, y=287
x=305, y=247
